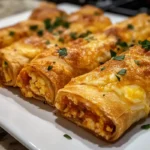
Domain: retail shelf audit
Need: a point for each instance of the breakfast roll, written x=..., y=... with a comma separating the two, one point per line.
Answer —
x=47, y=10
x=88, y=19
x=51, y=70
x=14, y=57
x=131, y=30
x=11, y=34
x=108, y=100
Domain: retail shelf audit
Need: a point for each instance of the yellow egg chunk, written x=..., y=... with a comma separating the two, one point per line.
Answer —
x=134, y=93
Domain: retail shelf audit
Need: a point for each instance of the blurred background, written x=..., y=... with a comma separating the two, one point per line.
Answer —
x=125, y=7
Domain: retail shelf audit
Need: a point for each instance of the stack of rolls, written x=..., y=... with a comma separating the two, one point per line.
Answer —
x=33, y=26
x=77, y=57
x=105, y=67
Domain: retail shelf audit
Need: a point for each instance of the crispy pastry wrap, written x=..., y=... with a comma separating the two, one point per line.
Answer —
x=51, y=70
x=88, y=19
x=14, y=33
x=108, y=100
x=14, y=57
x=45, y=11
x=32, y=26
x=78, y=57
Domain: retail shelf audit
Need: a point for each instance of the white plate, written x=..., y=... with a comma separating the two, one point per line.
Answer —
x=37, y=127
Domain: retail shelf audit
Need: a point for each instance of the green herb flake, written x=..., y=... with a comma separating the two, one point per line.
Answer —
x=67, y=136
x=40, y=33
x=47, y=42
x=103, y=68
x=146, y=126
x=137, y=62
x=33, y=27
x=83, y=35
x=122, y=44
x=112, y=53
x=11, y=33
x=66, y=24
x=5, y=63
x=47, y=23
x=130, y=26
x=89, y=38
x=62, y=52
x=145, y=44
x=119, y=58
x=49, y=68
x=60, y=22
x=61, y=40
x=118, y=78
x=73, y=35
x=122, y=72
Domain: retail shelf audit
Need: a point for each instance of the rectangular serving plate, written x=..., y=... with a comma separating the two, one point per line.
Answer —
x=38, y=127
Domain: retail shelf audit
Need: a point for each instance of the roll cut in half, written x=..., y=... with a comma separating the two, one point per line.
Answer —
x=108, y=100
x=52, y=69
x=14, y=57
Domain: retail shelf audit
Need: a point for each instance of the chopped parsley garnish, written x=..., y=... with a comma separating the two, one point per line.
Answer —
x=103, y=68
x=61, y=40
x=137, y=62
x=73, y=35
x=83, y=35
x=33, y=27
x=96, y=13
x=49, y=68
x=122, y=72
x=11, y=33
x=67, y=136
x=122, y=44
x=145, y=44
x=66, y=24
x=47, y=42
x=5, y=63
x=113, y=54
x=60, y=22
x=62, y=52
x=130, y=26
x=89, y=38
x=118, y=78
x=146, y=126
x=119, y=58
x=47, y=23
x=40, y=33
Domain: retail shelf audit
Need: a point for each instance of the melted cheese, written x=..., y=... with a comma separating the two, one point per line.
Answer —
x=134, y=93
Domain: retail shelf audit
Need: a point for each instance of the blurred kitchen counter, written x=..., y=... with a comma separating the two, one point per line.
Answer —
x=10, y=7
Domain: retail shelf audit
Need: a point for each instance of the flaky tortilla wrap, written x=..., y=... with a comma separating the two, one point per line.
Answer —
x=108, y=100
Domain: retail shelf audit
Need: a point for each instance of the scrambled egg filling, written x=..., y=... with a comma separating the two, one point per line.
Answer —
x=37, y=85
x=99, y=124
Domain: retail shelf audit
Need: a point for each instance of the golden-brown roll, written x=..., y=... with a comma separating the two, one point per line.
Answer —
x=14, y=33
x=76, y=58
x=14, y=57
x=47, y=10
x=108, y=100
x=52, y=69
x=132, y=29
x=88, y=19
